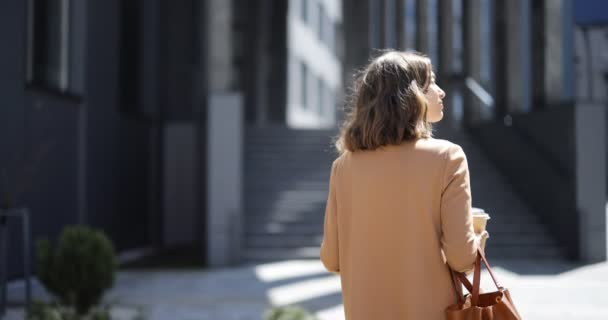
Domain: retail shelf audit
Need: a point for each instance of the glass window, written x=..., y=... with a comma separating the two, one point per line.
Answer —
x=329, y=30
x=304, y=10
x=304, y=85
x=48, y=43
x=320, y=89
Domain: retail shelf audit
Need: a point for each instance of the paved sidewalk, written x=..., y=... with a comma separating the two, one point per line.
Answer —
x=553, y=290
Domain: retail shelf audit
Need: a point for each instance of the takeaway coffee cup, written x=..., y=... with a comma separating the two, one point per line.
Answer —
x=480, y=220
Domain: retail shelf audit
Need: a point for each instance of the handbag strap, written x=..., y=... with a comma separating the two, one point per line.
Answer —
x=457, y=285
x=485, y=261
x=476, y=282
x=474, y=287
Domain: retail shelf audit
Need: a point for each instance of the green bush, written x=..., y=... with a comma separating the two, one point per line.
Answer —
x=288, y=313
x=79, y=269
x=41, y=311
x=54, y=311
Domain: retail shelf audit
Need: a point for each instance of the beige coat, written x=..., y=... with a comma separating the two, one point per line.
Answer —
x=392, y=218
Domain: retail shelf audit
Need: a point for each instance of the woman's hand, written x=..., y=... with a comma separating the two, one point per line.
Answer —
x=483, y=236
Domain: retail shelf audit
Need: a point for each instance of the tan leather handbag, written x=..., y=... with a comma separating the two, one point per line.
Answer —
x=495, y=305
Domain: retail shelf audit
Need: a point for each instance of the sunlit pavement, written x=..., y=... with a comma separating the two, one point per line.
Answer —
x=541, y=290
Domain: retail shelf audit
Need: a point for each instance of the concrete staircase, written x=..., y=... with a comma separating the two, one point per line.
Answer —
x=515, y=230
x=286, y=184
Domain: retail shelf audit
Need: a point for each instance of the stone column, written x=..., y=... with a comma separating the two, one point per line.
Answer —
x=538, y=39
x=390, y=24
x=590, y=170
x=446, y=54
x=375, y=24
x=471, y=60
x=558, y=54
x=422, y=21
x=410, y=32
x=517, y=33
x=500, y=58
x=261, y=69
x=400, y=24
x=221, y=71
x=224, y=179
x=223, y=136
x=356, y=30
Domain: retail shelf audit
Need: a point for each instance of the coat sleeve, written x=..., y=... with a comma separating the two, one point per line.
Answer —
x=457, y=237
x=329, y=246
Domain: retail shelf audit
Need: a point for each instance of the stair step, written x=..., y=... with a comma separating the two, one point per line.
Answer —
x=282, y=241
x=493, y=254
x=302, y=218
x=286, y=186
x=284, y=177
x=262, y=195
x=274, y=254
x=277, y=228
x=302, y=240
x=270, y=187
x=256, y=212
x=277, y=209
x=302, y=196
x=311, y=227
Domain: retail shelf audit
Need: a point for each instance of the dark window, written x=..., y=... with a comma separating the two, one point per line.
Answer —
x=48, y=43
x=129, y=55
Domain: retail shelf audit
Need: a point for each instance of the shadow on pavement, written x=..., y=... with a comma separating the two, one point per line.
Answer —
x=539, y=267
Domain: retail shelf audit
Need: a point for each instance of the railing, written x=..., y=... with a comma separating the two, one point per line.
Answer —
x=476, y=100
x=479, y=92
x=4, y=216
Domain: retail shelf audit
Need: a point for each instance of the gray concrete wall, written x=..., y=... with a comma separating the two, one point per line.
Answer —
x=117, y=141
x=37, y=130
x=95, y=164
x=180, y=222
x=556, y=159
x=590, y=128
x=524, y=154
x=225, y=178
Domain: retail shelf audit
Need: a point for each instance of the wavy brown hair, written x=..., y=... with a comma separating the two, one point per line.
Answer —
x=387, y=104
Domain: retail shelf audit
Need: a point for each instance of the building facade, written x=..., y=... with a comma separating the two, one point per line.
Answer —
x=133, y=113
x=314, y=62
x=508, y=68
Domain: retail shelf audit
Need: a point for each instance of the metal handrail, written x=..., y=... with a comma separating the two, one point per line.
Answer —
x=478, y=91
x=22, y=213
